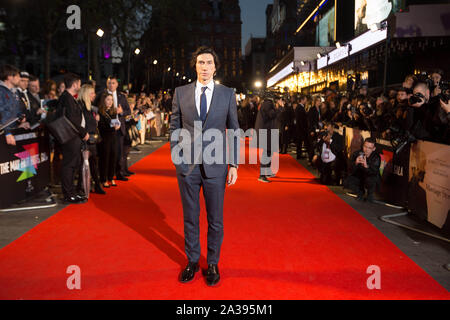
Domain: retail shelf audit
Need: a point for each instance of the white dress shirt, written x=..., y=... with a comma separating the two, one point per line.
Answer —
x=327, y=155
x=27, y=102
x=208, y=92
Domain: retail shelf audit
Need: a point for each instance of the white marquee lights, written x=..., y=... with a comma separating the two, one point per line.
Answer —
x=282, y=74
x=358, y=44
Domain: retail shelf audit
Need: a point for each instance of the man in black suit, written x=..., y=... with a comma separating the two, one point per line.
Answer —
x=123, y=112
x=314, y=124
x=30, y=106
x=71, y=151
x=267, y=120
x=203, y=107
x=301, y=125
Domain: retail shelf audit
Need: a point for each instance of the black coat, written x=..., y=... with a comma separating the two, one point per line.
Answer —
x=301, y=121
x=70, y=107
x=91, y=123
x=267, y=114
x=30, y=111
x=313, y=119
x=373, y=162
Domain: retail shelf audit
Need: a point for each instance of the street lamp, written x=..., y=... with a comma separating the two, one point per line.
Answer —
x=136, y=52
x=168, y=69
x=100, y=33
x=258, y=84
x=155, y=62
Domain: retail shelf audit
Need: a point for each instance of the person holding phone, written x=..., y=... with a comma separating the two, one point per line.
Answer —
x=108, y=125
x=365, y=171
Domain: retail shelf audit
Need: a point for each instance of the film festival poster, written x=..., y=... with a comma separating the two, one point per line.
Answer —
x=429, y=183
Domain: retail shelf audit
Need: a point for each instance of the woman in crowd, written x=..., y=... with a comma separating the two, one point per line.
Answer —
x=49, y=88
x=86, y=96
x=60, y=87
x=108, y=125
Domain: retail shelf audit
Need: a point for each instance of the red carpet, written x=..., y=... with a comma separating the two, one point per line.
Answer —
x=291, y=239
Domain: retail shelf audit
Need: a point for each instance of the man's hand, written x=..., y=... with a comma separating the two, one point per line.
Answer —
x=232, y=176
x=364, y=162
x=86, y=137
x=10, y=140
x=445, y=106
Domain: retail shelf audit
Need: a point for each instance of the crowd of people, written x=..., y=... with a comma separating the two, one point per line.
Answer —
x=419, y=109
x=109, y=124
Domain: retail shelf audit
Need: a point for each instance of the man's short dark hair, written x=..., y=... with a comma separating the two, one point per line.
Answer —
x=111, y=77
x=370, y=140
x=438, y=71
x=70, y=79
x=8, y=70
x=205, y=50
x=33, y=78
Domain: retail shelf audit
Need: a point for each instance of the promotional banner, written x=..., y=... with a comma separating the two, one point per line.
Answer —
x=369, y=13
x=393, y=173
x=25, y=167
x=429, y=182
x=325, y=29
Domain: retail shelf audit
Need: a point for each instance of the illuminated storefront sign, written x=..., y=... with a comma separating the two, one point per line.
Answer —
x=282, y=74
x=360, y=43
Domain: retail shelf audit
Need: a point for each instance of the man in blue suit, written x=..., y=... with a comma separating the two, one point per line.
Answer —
x=197, y=108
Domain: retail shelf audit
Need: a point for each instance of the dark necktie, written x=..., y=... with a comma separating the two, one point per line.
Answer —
x=203, y=105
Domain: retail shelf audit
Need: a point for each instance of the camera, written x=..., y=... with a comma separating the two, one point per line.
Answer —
x=416, y=98
x=400, y=138
x=367, y=109
x=444, y=95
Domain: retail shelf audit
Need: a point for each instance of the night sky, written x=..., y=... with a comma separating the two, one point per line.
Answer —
x=253, y=15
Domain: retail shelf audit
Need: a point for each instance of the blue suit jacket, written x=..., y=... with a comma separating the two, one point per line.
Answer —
x=222, y=115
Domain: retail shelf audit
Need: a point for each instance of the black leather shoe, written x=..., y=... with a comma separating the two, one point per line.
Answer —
x=72, y=200
x=130, y=173
x=99, y=189
x=188, y=274
x=120, y=178
x=212, y=275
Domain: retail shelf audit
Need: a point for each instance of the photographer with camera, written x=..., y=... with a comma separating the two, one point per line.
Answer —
x=365, y=171
x=418, y=111
x=331, y=155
